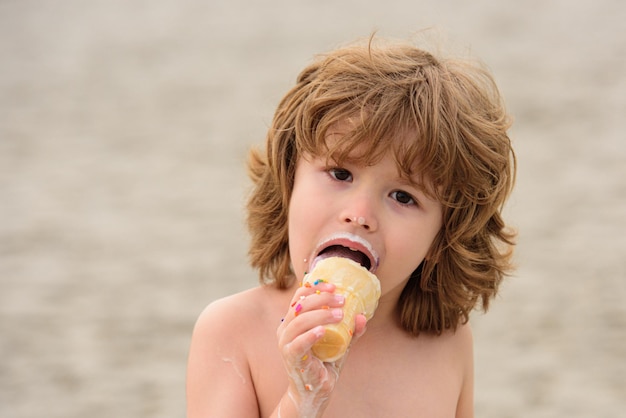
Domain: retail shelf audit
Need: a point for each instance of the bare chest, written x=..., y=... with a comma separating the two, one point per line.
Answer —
x=384, y=387
x=411, y=379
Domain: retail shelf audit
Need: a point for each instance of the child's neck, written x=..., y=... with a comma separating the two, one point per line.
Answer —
x=386, y=314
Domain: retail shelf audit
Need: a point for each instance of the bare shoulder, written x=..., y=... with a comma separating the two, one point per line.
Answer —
x=458, y=348
x=221, y=321
x=464, y=345
x=230, y=312
x=462, y=339
x=218, y=375
x=451, y=360
x=451, y=344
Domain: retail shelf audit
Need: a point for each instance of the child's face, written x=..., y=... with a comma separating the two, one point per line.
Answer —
x=369, y=208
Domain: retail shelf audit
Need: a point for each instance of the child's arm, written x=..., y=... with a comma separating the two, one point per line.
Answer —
x=218, y=377
x=311, y=381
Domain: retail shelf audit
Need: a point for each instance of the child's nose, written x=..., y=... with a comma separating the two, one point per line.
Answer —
x=360, y=214
x=361, y=221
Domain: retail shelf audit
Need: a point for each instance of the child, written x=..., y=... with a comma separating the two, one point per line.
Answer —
x=404, y=159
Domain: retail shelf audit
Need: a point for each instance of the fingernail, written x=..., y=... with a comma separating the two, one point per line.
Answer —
x=340, y=299
x=319, y=331
x=337, y=313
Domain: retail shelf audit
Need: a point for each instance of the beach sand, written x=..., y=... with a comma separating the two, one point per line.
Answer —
x=124, y=127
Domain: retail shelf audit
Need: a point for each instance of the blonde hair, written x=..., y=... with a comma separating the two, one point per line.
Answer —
x=444, y=121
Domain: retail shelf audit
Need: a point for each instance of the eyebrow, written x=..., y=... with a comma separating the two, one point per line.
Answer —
x=410, y=182
x=428, y=189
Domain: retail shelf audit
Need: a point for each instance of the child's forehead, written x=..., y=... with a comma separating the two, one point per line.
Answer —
x=347, y=140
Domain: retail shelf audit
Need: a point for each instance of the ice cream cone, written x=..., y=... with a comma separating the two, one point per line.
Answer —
x=361, y=290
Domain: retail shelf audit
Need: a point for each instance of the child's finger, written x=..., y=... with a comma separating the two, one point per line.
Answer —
x=315, y=301
x=311, y=299
x=299, y=323
x=296, y=350
x=360, y=325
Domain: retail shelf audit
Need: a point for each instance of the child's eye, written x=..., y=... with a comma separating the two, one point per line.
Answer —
x=340, y=174
x=403, y=198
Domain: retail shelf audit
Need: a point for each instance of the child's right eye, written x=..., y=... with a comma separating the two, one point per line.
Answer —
x=340, y=174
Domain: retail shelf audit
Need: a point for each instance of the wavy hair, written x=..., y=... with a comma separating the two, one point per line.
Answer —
x=444, y=121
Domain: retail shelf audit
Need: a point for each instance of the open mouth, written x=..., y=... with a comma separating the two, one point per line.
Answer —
x=345, y=252
x=347, y=245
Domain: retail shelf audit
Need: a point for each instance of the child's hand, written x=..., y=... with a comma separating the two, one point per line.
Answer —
x=311, y=381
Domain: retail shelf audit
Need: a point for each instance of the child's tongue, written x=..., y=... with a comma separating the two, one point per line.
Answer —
x=341, y=251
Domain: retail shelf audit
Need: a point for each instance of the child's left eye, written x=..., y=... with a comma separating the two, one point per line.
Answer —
x=403, y=197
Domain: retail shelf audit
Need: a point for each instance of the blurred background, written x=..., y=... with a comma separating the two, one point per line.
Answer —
x=124, y=127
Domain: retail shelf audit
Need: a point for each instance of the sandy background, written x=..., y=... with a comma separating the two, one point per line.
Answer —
x=124, y=126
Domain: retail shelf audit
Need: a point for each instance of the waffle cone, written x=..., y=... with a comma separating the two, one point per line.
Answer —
x=361, y=290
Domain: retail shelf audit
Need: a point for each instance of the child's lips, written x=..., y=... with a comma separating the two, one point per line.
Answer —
x=352, y=242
